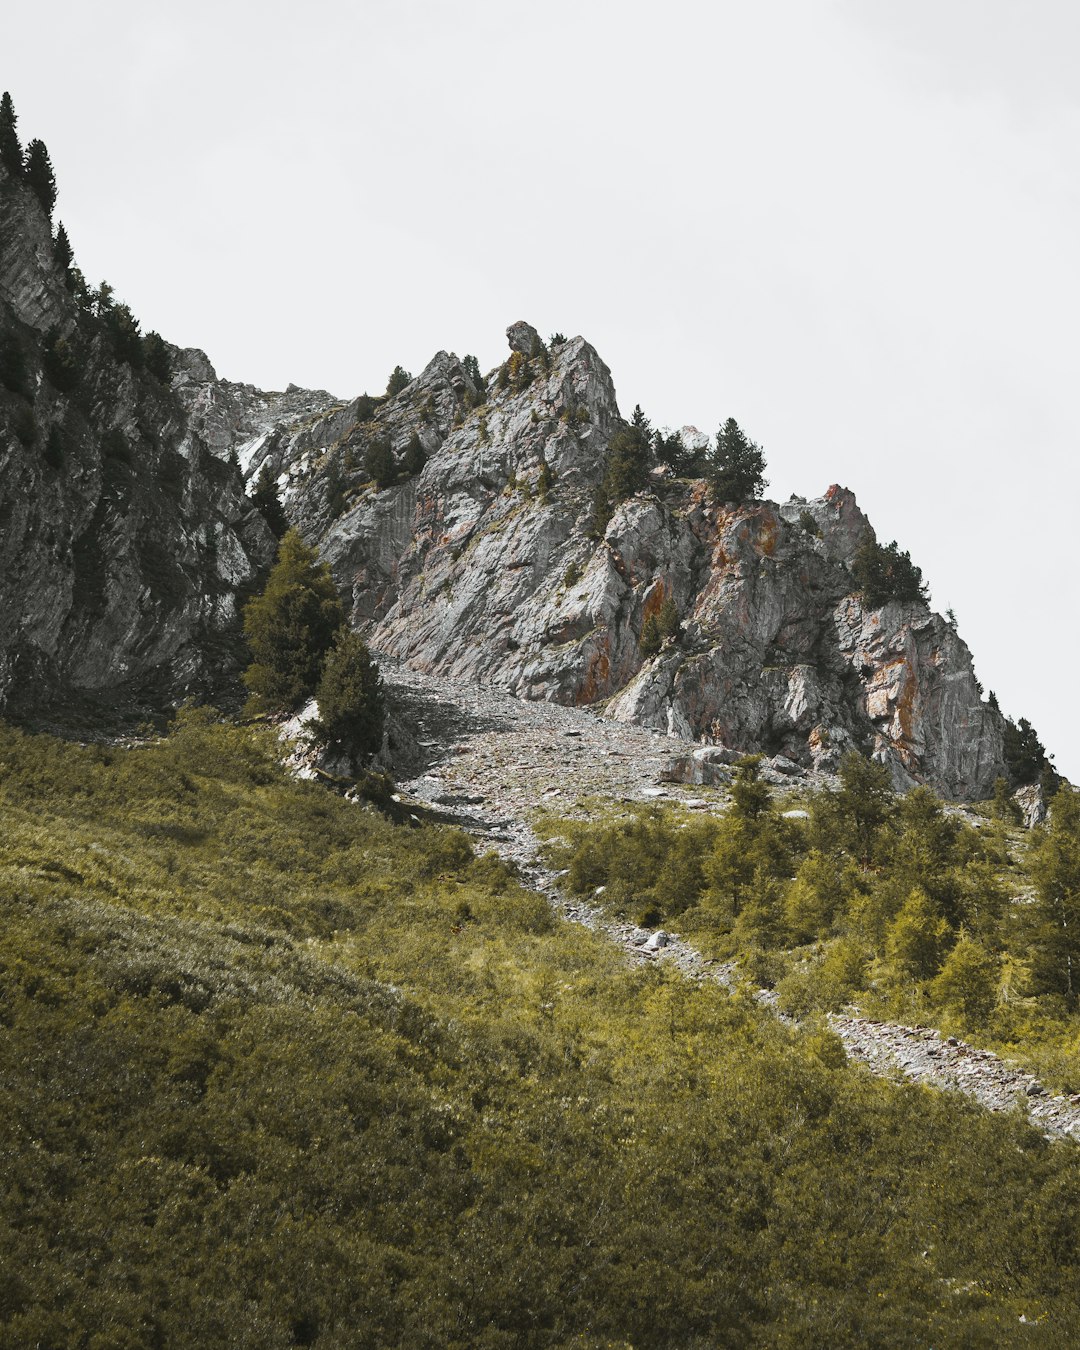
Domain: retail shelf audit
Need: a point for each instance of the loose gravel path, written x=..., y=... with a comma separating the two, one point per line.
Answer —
x=492, y=761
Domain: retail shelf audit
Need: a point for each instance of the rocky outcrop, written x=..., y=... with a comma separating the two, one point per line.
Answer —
x=125, y=546
x=485, y=566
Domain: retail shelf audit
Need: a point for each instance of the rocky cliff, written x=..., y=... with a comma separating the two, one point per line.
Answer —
x=126, y=546
x=484, y=565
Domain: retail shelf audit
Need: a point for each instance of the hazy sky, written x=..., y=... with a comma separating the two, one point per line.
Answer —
x=851, y=224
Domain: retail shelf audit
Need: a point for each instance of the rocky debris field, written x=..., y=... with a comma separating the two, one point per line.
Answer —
x=490, y=762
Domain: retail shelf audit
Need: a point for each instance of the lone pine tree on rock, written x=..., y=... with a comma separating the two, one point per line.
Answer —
x=736, y=469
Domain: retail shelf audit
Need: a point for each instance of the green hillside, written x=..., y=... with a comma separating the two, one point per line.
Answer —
x=277, y=1072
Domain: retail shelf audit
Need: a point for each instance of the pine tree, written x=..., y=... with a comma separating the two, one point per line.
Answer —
x=917, y=937
x=379, y=463
x=414, y=456
x=1004, y=804
x=11, y=155
x=750, y=796
x=967, y=982
x=670, y=450
x=629, y=455
x=1025, y=755
x=885, y=572
x=649, y=641
x=265, y=497
x=544, y=479
x=123, y=331
x=471, y=367
x=39, y=175
x=668, y=619
x=350, y=697
x=600, y=513
x=737, y=465
x=62, y=250
x=399, y=378
x=290, y=627
x=1055, y=867
x=156, y=357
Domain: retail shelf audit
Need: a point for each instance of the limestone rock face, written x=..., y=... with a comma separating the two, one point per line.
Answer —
x=484, y=565
x=125, y=546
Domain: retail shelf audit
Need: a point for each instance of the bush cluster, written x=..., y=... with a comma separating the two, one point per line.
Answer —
x=892, y=902
x=279, y=1073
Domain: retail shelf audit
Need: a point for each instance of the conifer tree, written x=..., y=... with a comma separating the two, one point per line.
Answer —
x=62, y=250
x=916, y=940
x=649, y=641
x=628, y=458
x=350, y=697
x=1004, y=804
x=967, y=982
x=600, y=513
x=471, y=367
x=1025, y=754
x=123, y=329
x=737, y=465
x=885, y=572
x=671, y=451
x=156, y=357
x=379, y=463
x=399, y=378
x=668, y=618
x=544, y=479
x=39, y=175
x=290, y=627
x=1055, y=866
x=11, y=155
x=414, y=456
x=265, y=497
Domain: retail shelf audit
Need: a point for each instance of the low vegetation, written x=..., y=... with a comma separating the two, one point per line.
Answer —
x=277, y=1072
x=893, y=904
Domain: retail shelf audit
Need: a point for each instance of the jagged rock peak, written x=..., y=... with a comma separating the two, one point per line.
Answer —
x=484, y=563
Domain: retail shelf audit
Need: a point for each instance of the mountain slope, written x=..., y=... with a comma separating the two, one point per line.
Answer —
x=485, y=565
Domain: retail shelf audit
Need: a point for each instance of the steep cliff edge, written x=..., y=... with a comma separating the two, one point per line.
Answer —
x=125, y=545
x=486, y=564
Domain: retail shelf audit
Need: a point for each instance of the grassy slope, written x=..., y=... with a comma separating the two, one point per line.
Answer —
x=275, y=1072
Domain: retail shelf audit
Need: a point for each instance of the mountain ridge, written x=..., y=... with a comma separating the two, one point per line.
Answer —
x=477, y=567
x=129, y=561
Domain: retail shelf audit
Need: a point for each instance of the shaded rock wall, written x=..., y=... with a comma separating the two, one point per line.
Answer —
x=125, y=546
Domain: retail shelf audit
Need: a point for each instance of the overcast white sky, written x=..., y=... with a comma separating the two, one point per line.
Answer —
x=850, y=224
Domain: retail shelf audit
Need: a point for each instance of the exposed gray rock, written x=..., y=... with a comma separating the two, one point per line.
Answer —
x=125, y=547
x=1032, y=803
x=523, y=338
x=471, y=568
